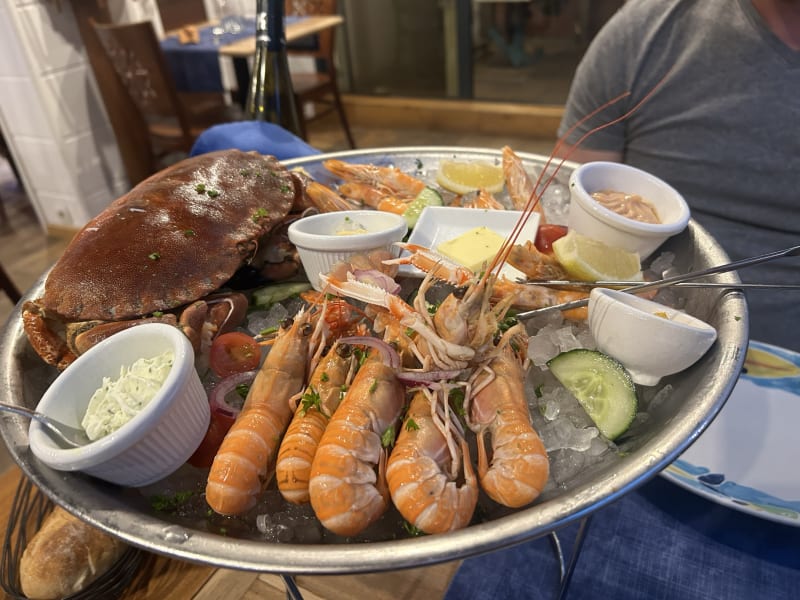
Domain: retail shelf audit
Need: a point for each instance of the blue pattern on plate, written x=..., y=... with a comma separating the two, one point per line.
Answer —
x=790, y=383
x=704, y=480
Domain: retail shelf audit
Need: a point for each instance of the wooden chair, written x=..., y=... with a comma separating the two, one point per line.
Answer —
x=319, y=87
x=179, y=13
x=8, y=286
x=169, y=122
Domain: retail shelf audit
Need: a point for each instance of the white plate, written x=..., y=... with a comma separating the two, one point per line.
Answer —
x=744, y=459
x=439, y=224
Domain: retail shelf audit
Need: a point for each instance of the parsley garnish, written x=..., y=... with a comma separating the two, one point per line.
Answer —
x=311, y=399
x=154, y=256
x=411, y=425
x=170, y=503
x=456, y=397
x=260, y=213
x=387, y=437
x=412, y=529
x=200, y=188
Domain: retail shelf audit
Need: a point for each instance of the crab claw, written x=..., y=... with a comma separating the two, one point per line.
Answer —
x=432, y=263
x=364, y=291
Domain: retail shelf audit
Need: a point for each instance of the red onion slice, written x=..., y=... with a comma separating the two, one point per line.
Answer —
x=217, y=395
x=390, y=355
x=377, y=278
x=427, y=377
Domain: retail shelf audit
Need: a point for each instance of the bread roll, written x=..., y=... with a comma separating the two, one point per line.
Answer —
x=65, y=556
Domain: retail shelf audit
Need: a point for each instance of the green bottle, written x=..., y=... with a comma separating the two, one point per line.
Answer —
x=271, y=97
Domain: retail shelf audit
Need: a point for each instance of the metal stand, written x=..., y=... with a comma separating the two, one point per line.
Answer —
x=292, y=591
x=566, y=570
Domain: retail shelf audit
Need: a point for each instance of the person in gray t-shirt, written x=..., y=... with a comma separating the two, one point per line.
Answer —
x=723, y=128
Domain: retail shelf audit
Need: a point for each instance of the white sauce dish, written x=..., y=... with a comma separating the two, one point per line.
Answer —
x=650, y=339
x=590, y=218
x=323, y=240
x=157, y=440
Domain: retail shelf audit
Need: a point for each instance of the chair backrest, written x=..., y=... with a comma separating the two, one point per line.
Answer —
x=179, y=13
x=139, y=62
x=130, y=128
x=324, y=48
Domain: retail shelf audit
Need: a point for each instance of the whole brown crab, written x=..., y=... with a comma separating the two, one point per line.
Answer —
x=159, y=251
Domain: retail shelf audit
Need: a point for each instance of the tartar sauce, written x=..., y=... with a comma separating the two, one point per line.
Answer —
x=632, y=206
x=119, y=400
x=350, y=227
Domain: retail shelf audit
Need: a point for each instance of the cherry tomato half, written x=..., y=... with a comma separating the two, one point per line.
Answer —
x=234, y=352
x=548, y=234
x=207, y=450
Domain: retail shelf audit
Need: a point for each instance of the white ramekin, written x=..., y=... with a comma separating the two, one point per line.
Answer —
x=155, y=442
x=590, y=218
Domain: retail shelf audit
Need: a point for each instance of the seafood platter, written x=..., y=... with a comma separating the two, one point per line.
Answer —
x=456, y=428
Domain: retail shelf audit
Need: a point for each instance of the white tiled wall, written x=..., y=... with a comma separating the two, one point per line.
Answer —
x=52, y=115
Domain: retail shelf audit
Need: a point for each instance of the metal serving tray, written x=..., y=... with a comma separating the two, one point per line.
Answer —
x=698, y=395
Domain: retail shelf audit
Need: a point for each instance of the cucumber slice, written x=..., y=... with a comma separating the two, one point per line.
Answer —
x=602, y=386
x=278, y=292
x=427, y=197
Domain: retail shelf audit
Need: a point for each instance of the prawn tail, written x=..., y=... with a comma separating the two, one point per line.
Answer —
x=519, y=467
x=296, y=453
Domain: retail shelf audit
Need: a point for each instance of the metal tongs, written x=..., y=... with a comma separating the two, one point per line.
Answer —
x=675, y=280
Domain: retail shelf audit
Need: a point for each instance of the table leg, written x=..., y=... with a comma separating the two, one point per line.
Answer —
x=242, y=71
x=566, y=570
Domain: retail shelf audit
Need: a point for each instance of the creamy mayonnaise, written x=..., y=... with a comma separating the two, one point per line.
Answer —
x=119, y=400
x=350, y=227
x=632, y=206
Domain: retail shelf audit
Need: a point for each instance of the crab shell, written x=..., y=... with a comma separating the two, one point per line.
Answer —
x=174, y=238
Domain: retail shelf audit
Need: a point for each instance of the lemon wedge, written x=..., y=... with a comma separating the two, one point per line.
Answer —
x=587, y=259
x=463, y=177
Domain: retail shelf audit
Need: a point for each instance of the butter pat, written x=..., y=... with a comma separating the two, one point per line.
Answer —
x=472, y=249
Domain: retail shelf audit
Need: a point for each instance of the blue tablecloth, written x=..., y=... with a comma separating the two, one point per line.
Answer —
x=195, y=67
x=658, y=542
x=266, y=138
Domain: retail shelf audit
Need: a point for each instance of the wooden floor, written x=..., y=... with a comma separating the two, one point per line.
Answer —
x=26, y=251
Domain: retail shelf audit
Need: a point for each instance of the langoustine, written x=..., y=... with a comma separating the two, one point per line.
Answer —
x=518, y=468
x=426, y=465
x=242, y=465
x=322, y=397
x=348, y=487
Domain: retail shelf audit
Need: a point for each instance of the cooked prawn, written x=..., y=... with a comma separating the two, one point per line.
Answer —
x=529, y=296
x=328, y=200
x=535, y=264
x=483, y=199
x=391, y=179
x=518, y=469
x=241, y=467
x=423, y=471
x=321, y=399
x=439, y=352
x=374, y=197
x=347, y=494
x=520, y=186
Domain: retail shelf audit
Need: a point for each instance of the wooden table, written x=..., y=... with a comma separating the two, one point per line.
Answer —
x=170, y=579
x=243, y=49
x=246, y=47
